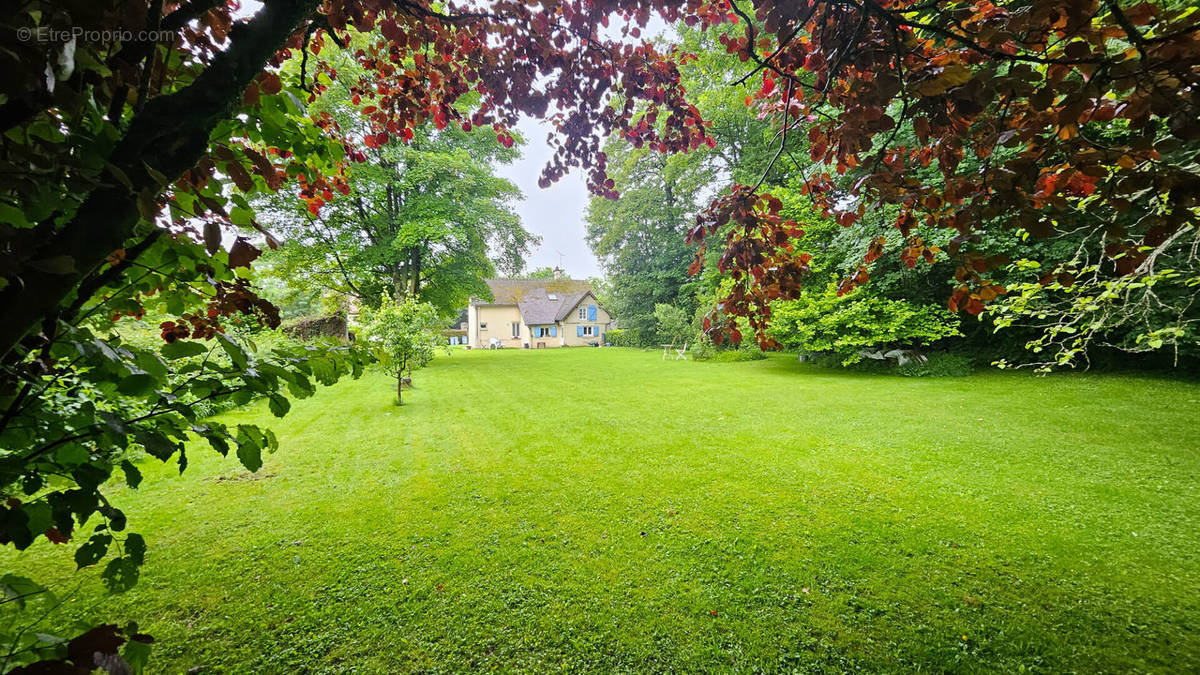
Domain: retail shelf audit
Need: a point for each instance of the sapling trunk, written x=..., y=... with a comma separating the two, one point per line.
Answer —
x=403, y=365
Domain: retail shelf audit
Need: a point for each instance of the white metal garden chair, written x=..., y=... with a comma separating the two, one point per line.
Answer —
x=679, y=353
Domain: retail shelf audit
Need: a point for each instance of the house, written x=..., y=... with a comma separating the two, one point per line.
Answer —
x=537, y=313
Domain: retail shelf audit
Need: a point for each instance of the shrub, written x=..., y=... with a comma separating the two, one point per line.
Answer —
x=938, y=365
x=749, y=351
x=850, y=324
x=619, y=337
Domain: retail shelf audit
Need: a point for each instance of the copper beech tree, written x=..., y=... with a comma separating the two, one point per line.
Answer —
x=1041, y=116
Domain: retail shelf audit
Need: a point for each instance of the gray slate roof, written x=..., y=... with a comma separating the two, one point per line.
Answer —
x=532, y=297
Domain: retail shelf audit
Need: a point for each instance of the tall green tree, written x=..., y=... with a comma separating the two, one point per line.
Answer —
x=640, y=239
x=427, y=218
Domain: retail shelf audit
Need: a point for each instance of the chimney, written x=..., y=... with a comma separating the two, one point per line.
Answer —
x=559, y=273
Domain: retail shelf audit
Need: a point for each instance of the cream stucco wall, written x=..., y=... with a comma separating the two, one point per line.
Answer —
x=546, y=342
x=499, y=320
x=572, y=320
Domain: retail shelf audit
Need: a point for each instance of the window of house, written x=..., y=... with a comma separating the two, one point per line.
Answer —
x=483, y=326
x=516, y=330
x=583, y=313
x=552, y=296
x=589, y=331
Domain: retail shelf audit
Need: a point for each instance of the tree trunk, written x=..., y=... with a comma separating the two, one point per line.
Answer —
x=170, y=134
x=398, y=283
x=400, y=387
x=415, y=271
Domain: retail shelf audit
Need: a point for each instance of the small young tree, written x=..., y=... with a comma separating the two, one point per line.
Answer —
x=403, y=336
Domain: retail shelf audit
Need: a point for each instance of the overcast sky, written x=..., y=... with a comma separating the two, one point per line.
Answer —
x=556, y=213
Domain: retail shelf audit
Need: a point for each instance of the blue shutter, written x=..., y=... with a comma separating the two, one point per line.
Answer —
x=591, y=312
x=553, y=331
x=578, y=331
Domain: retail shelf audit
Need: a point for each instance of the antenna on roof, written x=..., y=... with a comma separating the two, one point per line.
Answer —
x=559, y=272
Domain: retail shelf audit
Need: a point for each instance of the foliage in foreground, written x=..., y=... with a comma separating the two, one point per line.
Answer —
x=105, y=404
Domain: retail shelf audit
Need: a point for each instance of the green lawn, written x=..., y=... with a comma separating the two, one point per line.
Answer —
x=606, y=510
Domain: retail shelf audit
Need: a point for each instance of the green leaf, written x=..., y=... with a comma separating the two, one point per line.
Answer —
x=137, y=654
x=133, y=477
x=279, y=405
x=250, y=441
x=137, y=384
x=40, y=517
x=182, y=349
x=156, y=443
x=154, y=366
x=250, y=456
x=91, y=552
x=219, y=444
x=241, y=216
x=300, y=386
x=120, y=575
x=116, y=517
x=235, y=352
x=12, y=215
x=135, y=547
x=72, y=455
x=17, y=588
x=14, y=525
